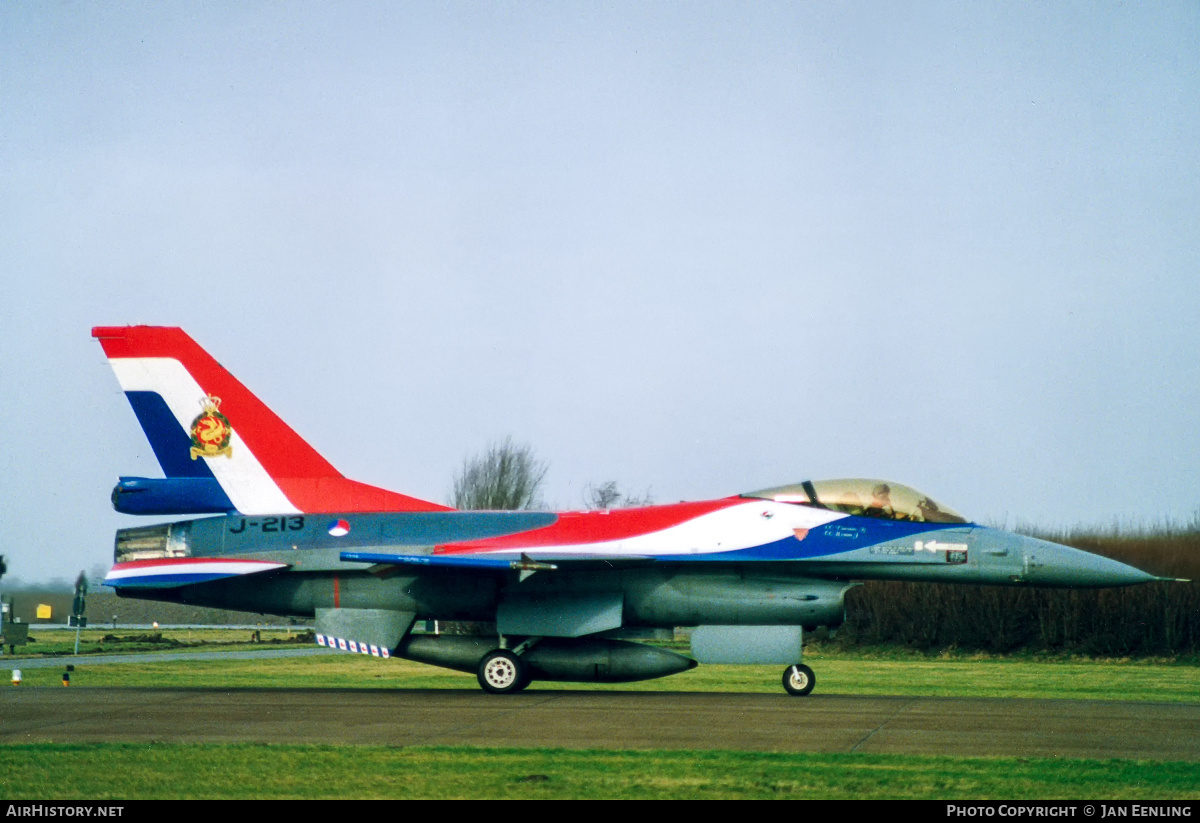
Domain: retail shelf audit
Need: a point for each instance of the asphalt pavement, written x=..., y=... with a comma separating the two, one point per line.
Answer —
x=608, y=720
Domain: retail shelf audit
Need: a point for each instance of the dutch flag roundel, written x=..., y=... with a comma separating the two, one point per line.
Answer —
x=339, y=527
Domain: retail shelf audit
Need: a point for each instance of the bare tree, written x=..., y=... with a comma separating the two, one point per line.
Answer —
x=602, y=496
x=608, y=495
x=632, y=501
x=506, y=477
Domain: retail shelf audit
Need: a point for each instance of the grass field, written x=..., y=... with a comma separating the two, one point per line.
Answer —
x=61, y=642
x=125, y=771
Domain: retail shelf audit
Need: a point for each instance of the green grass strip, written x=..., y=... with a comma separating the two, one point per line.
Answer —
x=130, y=771
x=1138, y=680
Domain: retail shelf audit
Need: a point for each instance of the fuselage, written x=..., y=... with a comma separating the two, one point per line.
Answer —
x=739, y=560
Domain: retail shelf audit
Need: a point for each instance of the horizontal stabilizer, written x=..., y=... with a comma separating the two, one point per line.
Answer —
x=167, y=573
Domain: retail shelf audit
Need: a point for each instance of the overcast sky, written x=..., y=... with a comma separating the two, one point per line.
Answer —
x=697, y=248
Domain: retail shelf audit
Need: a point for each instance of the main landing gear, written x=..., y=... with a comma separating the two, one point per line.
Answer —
x=799, y=680
x=503, y=671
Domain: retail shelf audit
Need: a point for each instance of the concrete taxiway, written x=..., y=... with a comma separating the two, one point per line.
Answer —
x=609, y=720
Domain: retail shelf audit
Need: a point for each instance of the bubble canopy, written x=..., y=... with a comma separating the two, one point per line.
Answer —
x=865, y=498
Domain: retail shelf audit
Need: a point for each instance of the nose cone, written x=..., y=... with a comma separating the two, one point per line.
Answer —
x=1051, y=564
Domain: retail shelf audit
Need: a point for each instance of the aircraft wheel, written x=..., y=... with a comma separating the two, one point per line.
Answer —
x=799, y=680
x=502, y=672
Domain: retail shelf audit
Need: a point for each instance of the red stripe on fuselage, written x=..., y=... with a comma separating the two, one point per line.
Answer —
x=576, y=528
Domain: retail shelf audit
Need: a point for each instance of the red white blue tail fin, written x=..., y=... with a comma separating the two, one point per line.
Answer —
x=203, y=423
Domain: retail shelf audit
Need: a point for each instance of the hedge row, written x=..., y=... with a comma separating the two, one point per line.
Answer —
x=1155, y=618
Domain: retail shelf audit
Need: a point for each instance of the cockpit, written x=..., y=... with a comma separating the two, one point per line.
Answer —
x=865, y=498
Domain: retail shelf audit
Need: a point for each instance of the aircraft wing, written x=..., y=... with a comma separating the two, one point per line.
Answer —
x=523, y=563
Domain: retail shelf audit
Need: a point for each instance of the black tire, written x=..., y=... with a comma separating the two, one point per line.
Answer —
x=502, y=672
x=799, y=680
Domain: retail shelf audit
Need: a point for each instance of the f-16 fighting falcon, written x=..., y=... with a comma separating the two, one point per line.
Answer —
x=285, y=533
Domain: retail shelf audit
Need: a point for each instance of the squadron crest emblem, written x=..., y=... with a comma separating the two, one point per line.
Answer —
x=211, y=432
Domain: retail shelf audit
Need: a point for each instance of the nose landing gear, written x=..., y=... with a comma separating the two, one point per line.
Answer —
x=798, y=680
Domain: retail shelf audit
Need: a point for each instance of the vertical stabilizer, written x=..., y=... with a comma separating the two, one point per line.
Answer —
x=202, y=422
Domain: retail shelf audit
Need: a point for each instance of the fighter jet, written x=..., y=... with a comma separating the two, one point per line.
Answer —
x=568, y=593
